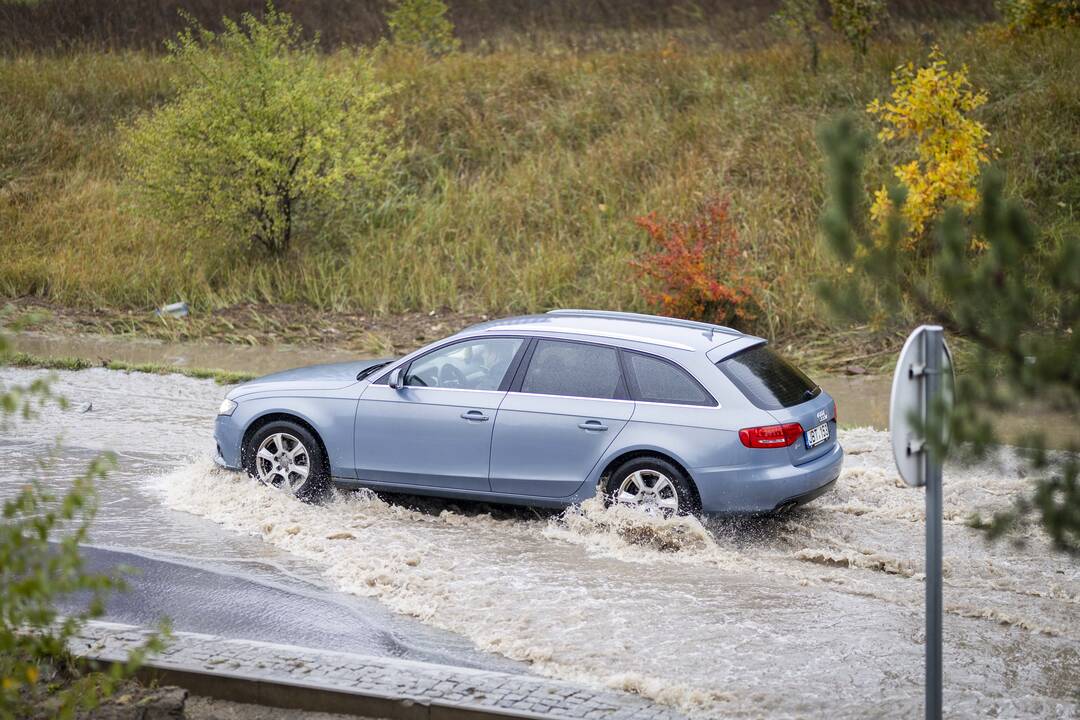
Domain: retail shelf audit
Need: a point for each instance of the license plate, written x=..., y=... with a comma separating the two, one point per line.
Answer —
x=817, y=435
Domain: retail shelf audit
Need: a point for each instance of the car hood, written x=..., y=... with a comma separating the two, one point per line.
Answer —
x=312, y=377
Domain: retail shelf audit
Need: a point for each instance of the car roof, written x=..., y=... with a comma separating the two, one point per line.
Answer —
x=628, y=329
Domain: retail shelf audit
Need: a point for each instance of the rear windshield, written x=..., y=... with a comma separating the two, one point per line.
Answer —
x=768, y=380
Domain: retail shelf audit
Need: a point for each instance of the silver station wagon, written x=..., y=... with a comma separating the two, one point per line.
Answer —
x=668, y=416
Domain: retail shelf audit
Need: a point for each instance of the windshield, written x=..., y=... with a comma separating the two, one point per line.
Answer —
x=768, y=380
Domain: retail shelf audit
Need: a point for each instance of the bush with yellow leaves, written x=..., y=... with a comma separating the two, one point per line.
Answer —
x=932, y=106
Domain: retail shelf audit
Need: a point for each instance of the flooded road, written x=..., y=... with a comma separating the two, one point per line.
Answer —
x=816, y=614
x=204, y=577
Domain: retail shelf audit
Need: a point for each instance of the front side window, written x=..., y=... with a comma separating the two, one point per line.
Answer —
x=573, y=369
x=470, y=365
x=657, y=380
x=768, y=380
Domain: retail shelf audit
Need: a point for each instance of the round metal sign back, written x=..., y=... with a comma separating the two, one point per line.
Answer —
x=907, y=403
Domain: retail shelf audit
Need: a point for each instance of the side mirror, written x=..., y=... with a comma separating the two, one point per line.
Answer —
x=395, y=379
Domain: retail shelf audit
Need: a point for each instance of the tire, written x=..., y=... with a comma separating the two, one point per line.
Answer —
x=641, y=476
x=287, y=455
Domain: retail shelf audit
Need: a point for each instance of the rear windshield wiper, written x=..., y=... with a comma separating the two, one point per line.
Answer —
x=372, y=368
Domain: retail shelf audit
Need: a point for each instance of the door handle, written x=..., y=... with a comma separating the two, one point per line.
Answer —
x=593, y=425
x=474, y=415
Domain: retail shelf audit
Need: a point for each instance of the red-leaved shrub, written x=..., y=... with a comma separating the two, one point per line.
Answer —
x=695, y=271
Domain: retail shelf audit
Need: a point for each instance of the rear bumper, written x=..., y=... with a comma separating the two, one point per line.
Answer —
x=749, y=489
x=805, y=497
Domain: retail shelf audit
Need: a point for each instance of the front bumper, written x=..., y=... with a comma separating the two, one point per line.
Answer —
x=752, y=490
x=228, y=436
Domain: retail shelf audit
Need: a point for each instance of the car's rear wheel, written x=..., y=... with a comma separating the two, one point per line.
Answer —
x=287, y=456
x=653, y=486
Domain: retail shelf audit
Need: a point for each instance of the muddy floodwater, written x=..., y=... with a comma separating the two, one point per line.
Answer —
x=817, y=614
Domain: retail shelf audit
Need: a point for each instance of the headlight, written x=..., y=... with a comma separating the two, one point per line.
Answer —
x=227, y=407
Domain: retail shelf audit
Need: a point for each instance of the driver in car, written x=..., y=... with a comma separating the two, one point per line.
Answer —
x=487, y=366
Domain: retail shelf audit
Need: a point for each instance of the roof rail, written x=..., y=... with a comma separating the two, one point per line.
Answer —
x=641, y=317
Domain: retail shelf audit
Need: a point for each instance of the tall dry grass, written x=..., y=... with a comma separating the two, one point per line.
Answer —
x=524, y=173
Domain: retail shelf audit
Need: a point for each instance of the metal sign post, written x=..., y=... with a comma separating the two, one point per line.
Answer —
x=933, y=349
x=924, y=380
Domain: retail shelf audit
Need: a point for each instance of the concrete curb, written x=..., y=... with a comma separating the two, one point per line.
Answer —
x=309, y=697
x=299, y=678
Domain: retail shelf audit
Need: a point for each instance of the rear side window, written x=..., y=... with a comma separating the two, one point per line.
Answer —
x=574, y=369
x=768, y=380
x=656, y=380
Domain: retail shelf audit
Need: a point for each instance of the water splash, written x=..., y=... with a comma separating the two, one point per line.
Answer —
x=621, y=532
x=818, y=611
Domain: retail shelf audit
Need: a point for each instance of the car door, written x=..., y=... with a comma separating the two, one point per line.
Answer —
x=565, y=408
x=435, y=430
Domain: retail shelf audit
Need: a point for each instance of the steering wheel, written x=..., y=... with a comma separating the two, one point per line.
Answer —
x=450, y=376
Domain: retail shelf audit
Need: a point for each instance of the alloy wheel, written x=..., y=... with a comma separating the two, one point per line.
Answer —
x=283, y=462
x=650, y=491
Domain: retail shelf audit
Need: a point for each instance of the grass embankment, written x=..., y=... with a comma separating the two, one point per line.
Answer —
x=524, y=174
x=221, y=377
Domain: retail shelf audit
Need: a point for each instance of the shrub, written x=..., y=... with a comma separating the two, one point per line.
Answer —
x=932, y=106
x=695, y=271
x=423, y=24
x=261, y=134
x=1024, y=15
x=800, y=18
x=857, y=21
x=40, y=562
x=33, y=640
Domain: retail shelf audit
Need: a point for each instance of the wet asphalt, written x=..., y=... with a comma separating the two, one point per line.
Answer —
x=223, y=602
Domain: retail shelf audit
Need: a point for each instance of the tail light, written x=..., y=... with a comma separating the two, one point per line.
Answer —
x=835, y=413
x=770, y=436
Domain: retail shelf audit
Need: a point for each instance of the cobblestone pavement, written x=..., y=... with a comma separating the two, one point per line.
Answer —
x=375, y=676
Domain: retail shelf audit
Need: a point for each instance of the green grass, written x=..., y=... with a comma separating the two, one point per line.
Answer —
x=221, y=377
x=525, y=171
x=26, y=360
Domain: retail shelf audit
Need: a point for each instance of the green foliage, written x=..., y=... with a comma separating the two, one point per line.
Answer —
x=1025, y=15
x=857, y=21
x=1018, y=302
x=261, y=135
x=800, y=19
x=40, y=562
x=422, y=24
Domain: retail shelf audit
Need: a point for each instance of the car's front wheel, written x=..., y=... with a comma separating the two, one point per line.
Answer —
x=653, y=486
x=286, y=455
